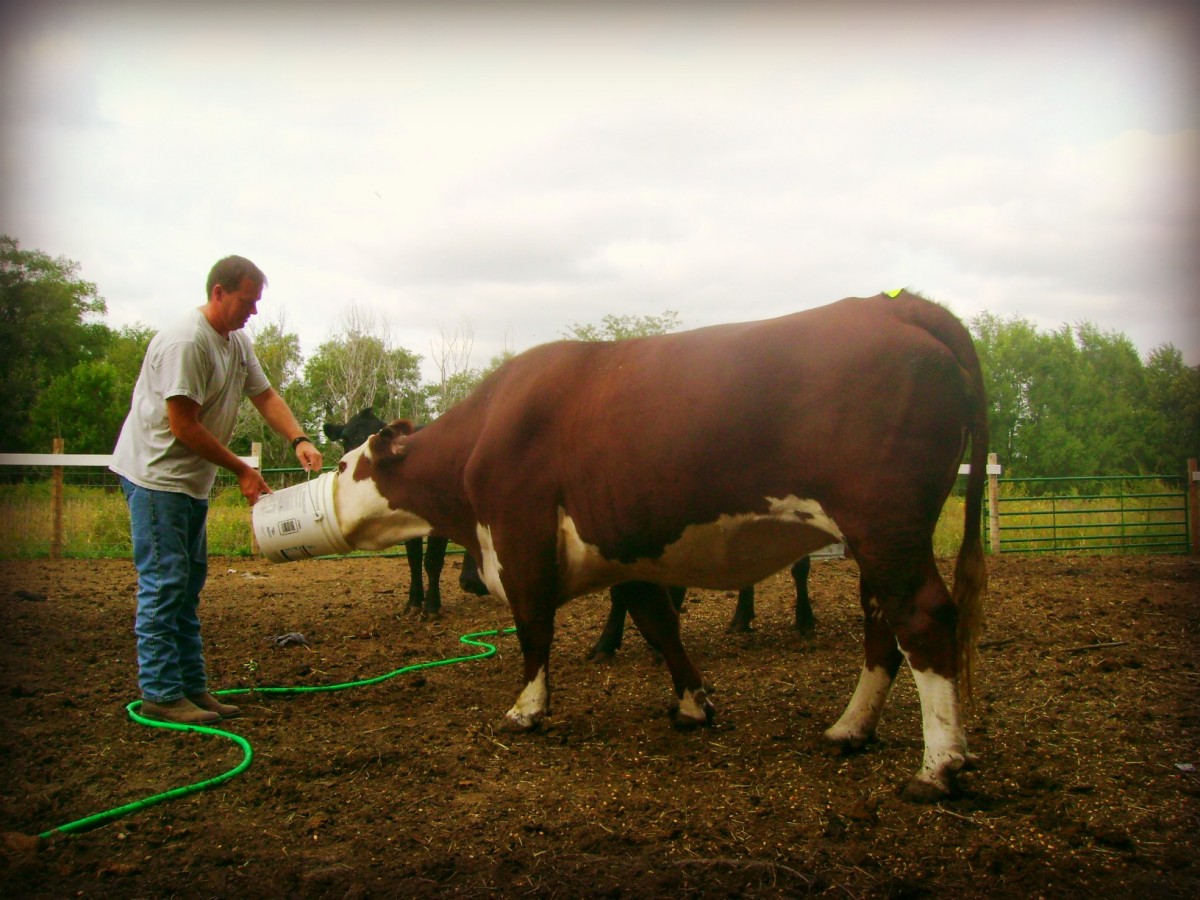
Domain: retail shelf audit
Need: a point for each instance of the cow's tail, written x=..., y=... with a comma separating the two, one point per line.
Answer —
x=970, y=571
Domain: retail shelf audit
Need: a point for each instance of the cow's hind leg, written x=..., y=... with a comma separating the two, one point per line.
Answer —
x=414, y=551
x=928, y=637
x=919, y=626
x=435, y=559
x=882, y=658
x=657, y=618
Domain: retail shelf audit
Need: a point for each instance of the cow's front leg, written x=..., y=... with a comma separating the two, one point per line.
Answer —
x=535, y=631
x=806, y=623
x=656, y=617
x=435, y=559
x=414, y=550
x=743, y=613
x=609, y=642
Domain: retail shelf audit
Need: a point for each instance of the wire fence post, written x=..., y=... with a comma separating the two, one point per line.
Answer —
x=993, y=502
x=256, y=452
x=56, y=494
x=1194, y=505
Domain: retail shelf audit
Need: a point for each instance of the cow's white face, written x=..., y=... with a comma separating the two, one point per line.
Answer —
x=367, y=520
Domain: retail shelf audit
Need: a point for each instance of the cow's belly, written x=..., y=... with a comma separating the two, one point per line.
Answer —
x=733, y=552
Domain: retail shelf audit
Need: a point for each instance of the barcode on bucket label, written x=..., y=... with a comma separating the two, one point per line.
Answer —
x=289, y=526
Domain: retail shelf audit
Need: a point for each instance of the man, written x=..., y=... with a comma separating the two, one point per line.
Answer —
x=185, y=403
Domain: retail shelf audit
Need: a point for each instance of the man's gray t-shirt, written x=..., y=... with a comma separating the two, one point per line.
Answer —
x=190, y=360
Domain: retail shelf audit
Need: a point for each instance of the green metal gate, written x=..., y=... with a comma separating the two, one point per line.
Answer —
x=1122, y=513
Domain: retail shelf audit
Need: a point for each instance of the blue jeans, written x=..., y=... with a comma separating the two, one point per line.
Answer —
x=170, y=552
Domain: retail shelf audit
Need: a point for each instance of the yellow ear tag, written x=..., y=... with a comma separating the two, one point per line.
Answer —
x=895, y=293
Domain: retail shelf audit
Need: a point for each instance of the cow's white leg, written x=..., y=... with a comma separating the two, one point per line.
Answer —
x=694, y=708
x=945, y=738
x=531, y=706
x=857, y=725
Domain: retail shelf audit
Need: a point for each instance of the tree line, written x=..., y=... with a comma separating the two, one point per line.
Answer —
x=1073, y=401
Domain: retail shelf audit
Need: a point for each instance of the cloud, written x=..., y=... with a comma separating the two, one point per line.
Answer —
x=527, y=167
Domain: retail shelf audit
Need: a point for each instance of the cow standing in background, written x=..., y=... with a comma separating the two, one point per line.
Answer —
x=424, y=598
x=714, y=458
x=613, y=632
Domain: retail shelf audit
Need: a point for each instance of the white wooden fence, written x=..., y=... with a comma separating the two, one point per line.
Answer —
x=58, y=461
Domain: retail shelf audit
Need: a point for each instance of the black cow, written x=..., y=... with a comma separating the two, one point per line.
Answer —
x=614, y=627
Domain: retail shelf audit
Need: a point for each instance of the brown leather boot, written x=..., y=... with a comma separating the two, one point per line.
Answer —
x=212, y=704
x=180, y=712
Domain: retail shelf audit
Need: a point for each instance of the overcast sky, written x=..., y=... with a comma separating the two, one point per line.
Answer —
x=513, y=169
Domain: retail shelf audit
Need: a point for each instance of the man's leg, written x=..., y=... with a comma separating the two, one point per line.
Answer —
x=161, y=523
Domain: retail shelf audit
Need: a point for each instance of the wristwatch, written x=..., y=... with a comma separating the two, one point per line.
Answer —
x=296, y=442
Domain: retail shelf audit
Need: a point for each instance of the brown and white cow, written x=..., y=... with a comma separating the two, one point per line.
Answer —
x=713, y=458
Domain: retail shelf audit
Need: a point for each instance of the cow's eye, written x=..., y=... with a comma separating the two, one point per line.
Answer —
x=341, y=466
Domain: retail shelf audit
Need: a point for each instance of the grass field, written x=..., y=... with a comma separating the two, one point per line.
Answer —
x=96, y=522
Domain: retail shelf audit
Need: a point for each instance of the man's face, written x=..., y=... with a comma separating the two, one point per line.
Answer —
x=238, y=306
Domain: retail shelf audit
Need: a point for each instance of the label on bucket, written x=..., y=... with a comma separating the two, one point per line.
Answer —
x=298, y=522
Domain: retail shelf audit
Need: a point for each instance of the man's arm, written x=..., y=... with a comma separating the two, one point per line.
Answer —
x=183, y=414
x=278, y=415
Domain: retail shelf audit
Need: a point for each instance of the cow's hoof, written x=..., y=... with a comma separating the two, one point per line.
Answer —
x=413, y=612
x=431, y=615
x=930, y=786
x=520, y=723
x=848, y=742
x=472, y=586
x=736, y=627
x=600, y=655
x=693, y=711
x=921, y=790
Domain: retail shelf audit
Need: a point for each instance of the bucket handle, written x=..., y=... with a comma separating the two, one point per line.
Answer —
x=318, y=515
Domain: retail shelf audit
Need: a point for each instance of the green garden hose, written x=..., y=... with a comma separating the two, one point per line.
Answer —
x=94, y=821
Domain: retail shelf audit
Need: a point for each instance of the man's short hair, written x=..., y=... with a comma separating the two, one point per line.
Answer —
x=230, y=271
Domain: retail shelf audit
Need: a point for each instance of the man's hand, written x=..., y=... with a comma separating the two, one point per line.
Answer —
x=252, y=485
x=309, y=456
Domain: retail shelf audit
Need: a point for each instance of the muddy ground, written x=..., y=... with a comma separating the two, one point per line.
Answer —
x=1087, y=729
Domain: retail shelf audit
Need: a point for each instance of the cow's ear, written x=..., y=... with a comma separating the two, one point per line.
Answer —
x=391, y=441
x=403, y=426
x=333, y=432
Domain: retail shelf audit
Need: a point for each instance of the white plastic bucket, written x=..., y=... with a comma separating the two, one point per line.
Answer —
x=299, y=522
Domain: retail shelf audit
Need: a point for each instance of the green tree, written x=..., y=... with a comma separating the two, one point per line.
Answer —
x=47, y=326
x=360, y=368
x=1173, y=398
x=1079, y=401
x=617, y=328
x=279, y=353
x=125, y=351
x=1008, y=352
x=86, y=405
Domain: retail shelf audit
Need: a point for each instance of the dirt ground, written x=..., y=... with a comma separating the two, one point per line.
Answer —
x=1087, y=728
